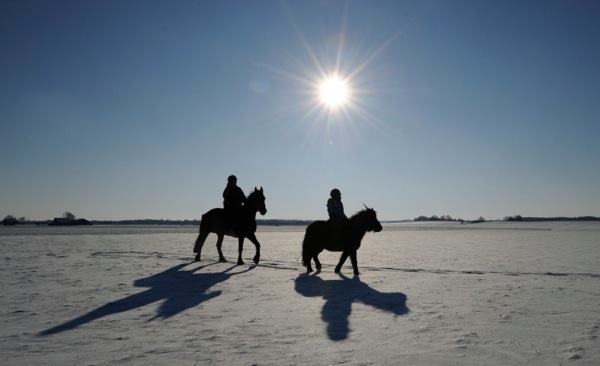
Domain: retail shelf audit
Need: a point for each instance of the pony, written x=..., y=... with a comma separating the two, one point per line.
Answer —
x=338, y=236
x=214, y=221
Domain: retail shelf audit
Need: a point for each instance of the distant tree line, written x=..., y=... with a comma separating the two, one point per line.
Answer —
x=509, y=218
x=446, y=218
x=559, y=218
x=12, y=220
x=146, y=222
x=265, y=222
x=281, y=222
x=67, y=219
x=436, y=218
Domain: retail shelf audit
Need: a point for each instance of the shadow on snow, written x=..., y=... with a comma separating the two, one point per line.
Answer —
x=339, y=296
x=180, y=289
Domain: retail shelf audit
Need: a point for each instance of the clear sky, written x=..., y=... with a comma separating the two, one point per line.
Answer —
x=141, y=109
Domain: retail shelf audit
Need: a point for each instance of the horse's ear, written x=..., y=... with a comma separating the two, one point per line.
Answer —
x=255, y=189
x=261, y=189
x=366, y=208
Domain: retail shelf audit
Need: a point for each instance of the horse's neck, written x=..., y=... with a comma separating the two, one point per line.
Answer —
x=354, y=224
x=249, y=210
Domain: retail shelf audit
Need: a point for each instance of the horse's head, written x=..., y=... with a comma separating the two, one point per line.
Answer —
x=368, y=219
x=256, y=200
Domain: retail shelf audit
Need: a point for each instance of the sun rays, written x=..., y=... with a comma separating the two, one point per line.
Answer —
x=335, y=85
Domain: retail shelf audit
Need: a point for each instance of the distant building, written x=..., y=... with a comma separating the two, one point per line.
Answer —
x=63, y=221
x=60, y=221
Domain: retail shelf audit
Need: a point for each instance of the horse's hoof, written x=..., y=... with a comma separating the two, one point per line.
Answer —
x=197, y=258
x=222, y=260
x=240, y=262
x=256, y=260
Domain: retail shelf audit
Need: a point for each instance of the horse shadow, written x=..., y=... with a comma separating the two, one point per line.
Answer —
x=178, y=288
x=339, y=296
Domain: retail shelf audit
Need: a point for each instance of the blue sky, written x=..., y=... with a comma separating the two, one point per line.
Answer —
x=141, y=109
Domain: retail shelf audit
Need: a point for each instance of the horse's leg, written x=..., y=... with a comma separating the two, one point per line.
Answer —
x=307, y=265
x=354, y=262
x=317, y=263
x=316, y=259
x=240, y=249
x=343, y=258
x=313, y=256
x=219, y=245
x=307, y=255
x=254, y=241
x=199, y=243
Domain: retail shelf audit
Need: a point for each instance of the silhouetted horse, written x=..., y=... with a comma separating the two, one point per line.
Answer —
x=338, y=236
x=214, y=221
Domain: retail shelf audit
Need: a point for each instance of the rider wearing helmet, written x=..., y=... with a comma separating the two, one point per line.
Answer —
x=335, y=207
x=233, y=198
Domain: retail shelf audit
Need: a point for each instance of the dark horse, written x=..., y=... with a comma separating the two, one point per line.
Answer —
x=338, y=236
x=244, y=227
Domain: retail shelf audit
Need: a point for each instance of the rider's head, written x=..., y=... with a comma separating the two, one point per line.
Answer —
x=232, y=179
x=335, y=193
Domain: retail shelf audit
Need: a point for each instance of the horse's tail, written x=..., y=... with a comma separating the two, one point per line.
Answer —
x=308, y=246
x=305, y=256
x=204, y=231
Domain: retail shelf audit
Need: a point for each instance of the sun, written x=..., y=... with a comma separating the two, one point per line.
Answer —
x=333, y=92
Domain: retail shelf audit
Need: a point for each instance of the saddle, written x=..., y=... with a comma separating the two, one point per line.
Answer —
x=336, y=228
x=231, y=218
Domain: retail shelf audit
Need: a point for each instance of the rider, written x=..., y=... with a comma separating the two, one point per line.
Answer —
x=233, y=198
x=335, y=207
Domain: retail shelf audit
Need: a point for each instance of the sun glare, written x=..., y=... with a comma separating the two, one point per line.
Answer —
x=333, y=92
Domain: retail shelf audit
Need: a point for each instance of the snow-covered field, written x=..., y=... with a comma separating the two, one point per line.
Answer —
x=429, y=294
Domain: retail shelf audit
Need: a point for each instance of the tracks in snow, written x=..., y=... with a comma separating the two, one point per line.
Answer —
x=289, y=266
x=295, y=266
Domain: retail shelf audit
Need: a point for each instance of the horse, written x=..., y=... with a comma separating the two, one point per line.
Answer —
x=338, y=236
x=214, y=221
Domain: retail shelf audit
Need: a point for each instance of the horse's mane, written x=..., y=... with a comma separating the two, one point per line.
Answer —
x=366, y=211
x=253, y=194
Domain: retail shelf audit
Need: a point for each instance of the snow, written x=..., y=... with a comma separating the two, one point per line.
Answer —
x=505, y=293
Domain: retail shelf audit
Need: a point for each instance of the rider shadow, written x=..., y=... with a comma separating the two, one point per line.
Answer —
x=339, y=296
x=180, y=289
